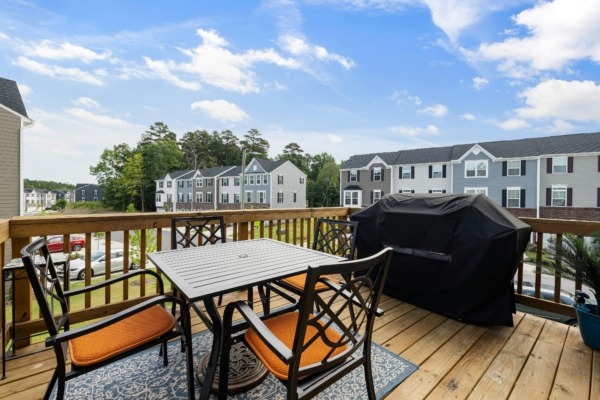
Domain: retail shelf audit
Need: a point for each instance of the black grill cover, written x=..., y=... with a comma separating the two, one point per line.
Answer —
x=454, y=254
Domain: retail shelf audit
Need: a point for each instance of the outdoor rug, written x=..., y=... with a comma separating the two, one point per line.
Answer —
x=143, y=376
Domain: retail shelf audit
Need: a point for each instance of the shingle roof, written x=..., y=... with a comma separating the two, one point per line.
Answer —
x=215, y=171
x=10, y=97
x=529, y=147
x=269, y=165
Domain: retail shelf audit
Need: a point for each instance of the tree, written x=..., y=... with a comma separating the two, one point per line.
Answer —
x=108, y=173
x=325, y=191
x=158, y=131
x=317, y=162
x=294, y=153
x=255, y=145
x=198, y=149
x=133, y=178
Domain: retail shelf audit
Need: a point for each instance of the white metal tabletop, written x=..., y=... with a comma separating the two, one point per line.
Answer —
x=208, y=271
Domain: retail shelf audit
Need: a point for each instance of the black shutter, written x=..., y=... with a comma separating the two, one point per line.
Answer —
x=444, y=191
x=399, y=172
x=503, y=197
x=598, y=163
x=569, y=197
x=357, y=176
x=504, y=168
x=598, y=198
x=570, y=165
x=371, y=196
x=549, y=165
x=523, y=165
x=412, y=191
x=372, y=173
x=443, y=171
x=430, y=173
x=548, y=196
x=522, y=198
x=348, y=176
x=430, y=191
x=382, y=174
x=412, y=169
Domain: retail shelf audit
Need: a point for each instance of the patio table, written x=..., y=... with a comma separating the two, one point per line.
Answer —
x=202, y=273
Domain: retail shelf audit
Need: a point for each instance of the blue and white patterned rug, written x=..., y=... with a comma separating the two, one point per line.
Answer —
x=143, y=376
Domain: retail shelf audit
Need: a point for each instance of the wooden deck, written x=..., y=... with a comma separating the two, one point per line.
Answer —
x=535, y=359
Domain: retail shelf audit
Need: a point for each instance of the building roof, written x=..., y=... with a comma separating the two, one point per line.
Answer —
x=10, y=97
x=215, y=171
x=519, y=148
x=269, y=165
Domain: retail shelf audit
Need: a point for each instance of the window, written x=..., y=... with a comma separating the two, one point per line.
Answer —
x=377, y=175
x=513, y=197
x=158, y=198
x=251, y=179
x=376, y=195
x=209, y=197
x=353, y=176
x=559, y=165
x=208, y=182
x=199, y=182
x=406, y=172
x=280, y=197
x=236, y=181
x=295, y=196
x=169, y=198
x=476, y=190
x=180, y=197
x=559, y=196
x=179, y=184
x=198, y=197
x=351, y=198
x=246, y=180
x=265, y=179
x=280, y=179
x=437, y=191
x=224, y=181
x=249, y=196
x=224, y=197
x=160, y=184
x=513, y=168
x=476, y=169
x=169, y=184
x=301, y=180
x=236, y=198
x=189, y=183
x=262, y=196
x=82, y=193
x=406, y=191
x=437, y=171
x=189, y=197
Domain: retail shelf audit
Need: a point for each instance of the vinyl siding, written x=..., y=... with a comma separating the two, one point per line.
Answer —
x=584, y=180
x=291, y=183
x=10, y=162
x=421, y=183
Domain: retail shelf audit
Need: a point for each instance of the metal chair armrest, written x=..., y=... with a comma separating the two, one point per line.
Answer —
x=114, y=280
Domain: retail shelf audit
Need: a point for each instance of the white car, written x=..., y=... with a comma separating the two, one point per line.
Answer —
x=98, y=262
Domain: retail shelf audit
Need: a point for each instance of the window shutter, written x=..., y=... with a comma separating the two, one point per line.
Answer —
x=569, y=197
x=399, y=172
x=522, y=198
x=548, y=196
x=430, y=173
x=429, y=191
x=372, y=173
x=503, y=197
x=443, y=171
x=598, y=198
x=570, y=165
x=382, y=174
x=444, y=191
x=598, y=163
x=412, y=169
x=523, y=165
x=412, y=191
x=371, y=196
x=348, y=176
x=504, y=168
x=357, y=176
x=549, y=165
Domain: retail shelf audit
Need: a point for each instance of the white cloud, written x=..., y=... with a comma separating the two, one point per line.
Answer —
x=64, y=51
x=400, y=97
x=454, y=16
x=436, y=110
x=86, y=102
x=414, y=132
x=480, y=83
x=299, y=47
x=560, y=126
x=24, y=89
x=560, y=32
x=221, y=110
x=92, y=118
x=559, y=99
x=467, y=117
x=72, y=74
x=163, y=69
x=514, y=124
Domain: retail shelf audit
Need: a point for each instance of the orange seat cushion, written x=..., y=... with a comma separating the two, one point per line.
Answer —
x=120, y=337
x=298, y=282
x=284, y=327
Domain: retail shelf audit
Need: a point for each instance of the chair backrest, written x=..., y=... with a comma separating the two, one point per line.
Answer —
x=197, y=231
x=46, y=285
x=350, y=311
x=336, y=237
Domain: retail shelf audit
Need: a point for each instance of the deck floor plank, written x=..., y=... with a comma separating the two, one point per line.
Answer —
x=572, y=381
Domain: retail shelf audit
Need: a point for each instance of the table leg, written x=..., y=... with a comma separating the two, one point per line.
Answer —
x=217, y=345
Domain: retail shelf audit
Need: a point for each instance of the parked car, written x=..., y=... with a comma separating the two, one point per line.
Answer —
x=55, y=243
x=548, y=294
x=98, y=264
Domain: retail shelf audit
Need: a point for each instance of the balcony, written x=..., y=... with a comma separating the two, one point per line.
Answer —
x=536, y=358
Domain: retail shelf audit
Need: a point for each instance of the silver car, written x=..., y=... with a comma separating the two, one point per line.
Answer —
x=98, y=262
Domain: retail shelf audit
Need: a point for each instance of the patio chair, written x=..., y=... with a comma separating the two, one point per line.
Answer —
x=109, y=339
x=310, y=351
x=331, y=236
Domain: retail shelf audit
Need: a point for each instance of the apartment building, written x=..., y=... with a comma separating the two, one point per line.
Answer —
x=549, y=177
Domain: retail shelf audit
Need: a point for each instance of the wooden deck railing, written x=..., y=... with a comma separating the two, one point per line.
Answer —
x=290, y=225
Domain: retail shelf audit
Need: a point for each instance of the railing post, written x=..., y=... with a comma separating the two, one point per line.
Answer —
x=21, y=296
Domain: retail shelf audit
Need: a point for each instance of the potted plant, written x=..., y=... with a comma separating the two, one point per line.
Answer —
x=577, y=257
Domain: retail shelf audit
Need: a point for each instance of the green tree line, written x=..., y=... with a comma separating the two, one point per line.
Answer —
x=128, y=175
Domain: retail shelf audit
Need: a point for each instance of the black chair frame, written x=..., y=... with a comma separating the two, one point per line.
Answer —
x=350, y=310
x=48, y=292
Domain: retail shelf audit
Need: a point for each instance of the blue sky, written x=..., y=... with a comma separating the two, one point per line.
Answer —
x=339, y=76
